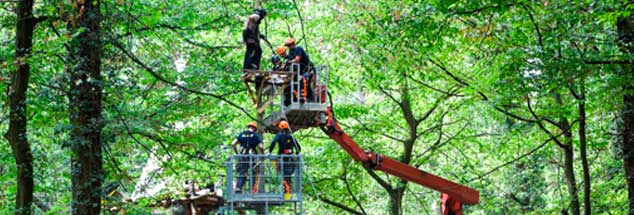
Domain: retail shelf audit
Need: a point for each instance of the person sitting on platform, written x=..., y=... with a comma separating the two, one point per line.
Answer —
x=250, y=143
x=287, y=145
x=299, y=56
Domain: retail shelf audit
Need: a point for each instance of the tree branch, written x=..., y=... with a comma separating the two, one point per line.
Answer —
x=608, y=62
x=389, y=95
x=136, y=140
x=431, y=110
x=378, y=179
x=516, y=159
x=478, y=10
x=301, y=22
x=541, y=125
x=340, y=206
x=354, y=197
x=539, y=34
x=484, y=97
x=118, y=45
x=363, y=125
x=447, y=93
x=436, y=145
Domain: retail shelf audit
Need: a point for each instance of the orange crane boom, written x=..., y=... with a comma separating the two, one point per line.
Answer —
x=457, y=192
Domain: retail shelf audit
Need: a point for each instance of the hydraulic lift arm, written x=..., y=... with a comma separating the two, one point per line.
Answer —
x=457, y=192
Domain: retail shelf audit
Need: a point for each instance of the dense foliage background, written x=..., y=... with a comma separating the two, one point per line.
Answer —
x=484, y=93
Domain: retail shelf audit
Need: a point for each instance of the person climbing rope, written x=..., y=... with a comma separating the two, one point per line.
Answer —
x=251, y=37
x=287, y=145
x=299, y=56
x=250, y=143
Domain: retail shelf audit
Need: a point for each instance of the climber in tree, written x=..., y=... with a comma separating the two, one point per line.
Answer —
x=251, y=37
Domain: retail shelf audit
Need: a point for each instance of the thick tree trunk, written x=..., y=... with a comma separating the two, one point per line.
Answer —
x=85, y=112
x=583, y=153
x=625, y=30
x=16, y=135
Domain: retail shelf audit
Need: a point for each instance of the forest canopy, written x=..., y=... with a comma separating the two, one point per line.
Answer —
x=111, y=106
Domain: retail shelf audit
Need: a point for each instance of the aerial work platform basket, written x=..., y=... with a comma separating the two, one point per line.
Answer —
x=278, y=95
x=268, y=181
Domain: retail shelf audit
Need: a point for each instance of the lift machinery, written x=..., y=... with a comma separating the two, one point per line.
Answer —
x=304, y=113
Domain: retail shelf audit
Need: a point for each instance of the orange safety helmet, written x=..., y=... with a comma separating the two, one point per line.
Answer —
x=253, y=124
x=289, y=41
x=283, y=125
x=280, y=50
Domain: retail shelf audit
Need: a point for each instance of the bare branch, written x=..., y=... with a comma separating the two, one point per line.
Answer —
x=454, y=77
x=418, y=199
x=68, y=49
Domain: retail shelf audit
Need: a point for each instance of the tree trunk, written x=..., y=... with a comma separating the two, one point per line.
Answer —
x=16, y=135
x=625, y=30
x=628, y=144
x=396, y=200
x=85, y=111
x=570, y=179
x=569, y=170
x=583, y=151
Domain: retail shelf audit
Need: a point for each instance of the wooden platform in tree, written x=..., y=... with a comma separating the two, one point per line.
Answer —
x=273, y=82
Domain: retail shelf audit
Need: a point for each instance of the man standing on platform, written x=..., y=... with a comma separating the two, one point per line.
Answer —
x=287, y=146
x=251, y=37
x=250, y=143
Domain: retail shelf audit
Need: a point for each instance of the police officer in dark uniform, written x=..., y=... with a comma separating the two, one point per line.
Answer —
x=250, y=143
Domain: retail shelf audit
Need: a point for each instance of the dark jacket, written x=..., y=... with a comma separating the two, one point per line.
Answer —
x=286, y=143
x=249, y=141
x=299, y=51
